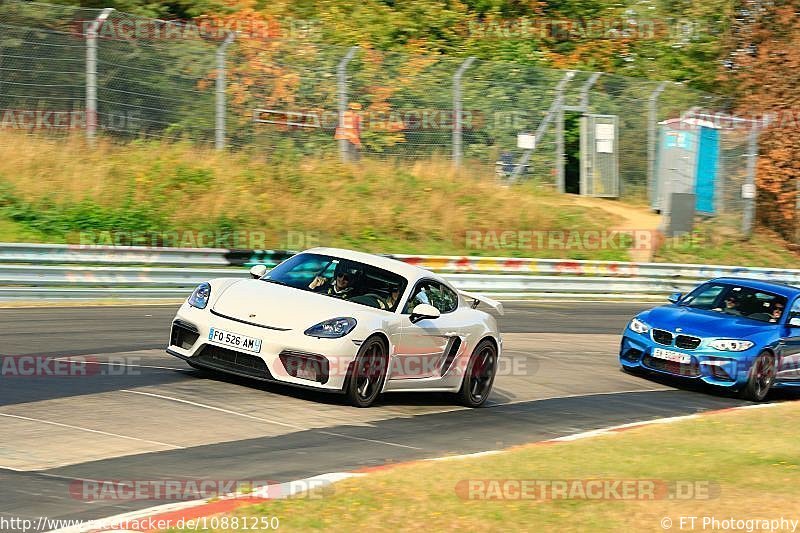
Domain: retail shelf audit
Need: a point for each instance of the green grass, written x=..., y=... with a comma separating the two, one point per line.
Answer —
x=148, y=190
x=165, y=194
x=747, y=462
x=718, y=245
x=11, y=231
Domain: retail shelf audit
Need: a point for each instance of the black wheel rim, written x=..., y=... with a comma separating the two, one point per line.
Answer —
x=370, y=371
x=764, y=373
x=481, y=374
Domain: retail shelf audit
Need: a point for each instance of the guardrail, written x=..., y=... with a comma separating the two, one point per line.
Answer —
x=136, y=255
x=99, y=272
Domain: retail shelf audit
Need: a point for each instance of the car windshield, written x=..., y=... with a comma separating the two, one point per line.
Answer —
x=340, y=278
x=737, y=300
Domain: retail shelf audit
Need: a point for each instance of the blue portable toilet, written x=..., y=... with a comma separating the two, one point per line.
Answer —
x=688, y=162
x=705, y=183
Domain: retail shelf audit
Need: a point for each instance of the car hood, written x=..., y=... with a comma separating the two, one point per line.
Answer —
x=278, y=306
x=703, y=323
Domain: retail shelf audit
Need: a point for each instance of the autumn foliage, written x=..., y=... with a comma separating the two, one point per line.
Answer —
x=766, y=77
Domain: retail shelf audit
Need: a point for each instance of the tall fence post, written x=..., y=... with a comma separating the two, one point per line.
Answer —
x=652, y=135
x=341, y=88
x=91, y=73
x=750, y=181
x=457, y=111
x=586, y=88
x=542, y=128
x=560, y=178
x=219, y=126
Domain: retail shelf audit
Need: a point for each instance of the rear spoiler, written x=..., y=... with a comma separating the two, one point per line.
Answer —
x=479, y=299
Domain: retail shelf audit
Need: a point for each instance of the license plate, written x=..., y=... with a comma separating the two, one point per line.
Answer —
x=235, y=340
x=669, y=355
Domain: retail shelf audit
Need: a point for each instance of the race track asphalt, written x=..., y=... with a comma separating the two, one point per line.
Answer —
x=144, y=415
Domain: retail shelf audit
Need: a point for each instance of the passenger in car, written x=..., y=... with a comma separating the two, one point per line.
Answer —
x=394, y=293
x=777, y=311
x=731, y=306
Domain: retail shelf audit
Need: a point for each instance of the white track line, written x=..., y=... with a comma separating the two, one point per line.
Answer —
x=568, y=396
x=269, y=421
x=284, y=490
x=465, y=456
x=79, y=428
x=106, y=523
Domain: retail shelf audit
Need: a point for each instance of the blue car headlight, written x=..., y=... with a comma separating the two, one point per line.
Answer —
x=200, y=296
x=638, y=326
x=332, y=329
x=731, y=345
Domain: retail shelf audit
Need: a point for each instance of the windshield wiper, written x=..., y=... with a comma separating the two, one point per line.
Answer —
x=276, y=281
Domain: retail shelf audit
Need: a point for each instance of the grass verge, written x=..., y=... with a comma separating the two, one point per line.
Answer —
x=176, y=194
x=147, y=189
x=716, y=244
x=748, y=462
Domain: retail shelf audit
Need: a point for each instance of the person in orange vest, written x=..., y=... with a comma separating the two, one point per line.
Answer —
x=350, y=130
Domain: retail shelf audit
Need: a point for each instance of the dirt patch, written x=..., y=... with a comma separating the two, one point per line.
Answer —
x=634, y=218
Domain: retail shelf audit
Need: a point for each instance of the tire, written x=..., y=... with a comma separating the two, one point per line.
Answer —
x=760, y=379
x=479, y=375
x=368, y=373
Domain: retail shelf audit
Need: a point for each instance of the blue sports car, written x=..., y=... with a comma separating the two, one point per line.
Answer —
x=728, y=332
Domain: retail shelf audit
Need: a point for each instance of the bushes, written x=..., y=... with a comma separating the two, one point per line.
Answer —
x=86, y=218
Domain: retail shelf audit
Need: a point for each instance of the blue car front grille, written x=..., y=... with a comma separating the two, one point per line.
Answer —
x=687, y=342
x=662, y=337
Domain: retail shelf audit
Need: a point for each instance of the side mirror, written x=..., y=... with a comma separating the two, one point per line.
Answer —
x=422, y=311
x=794, y=322
x=675, y=297
x=257, y=271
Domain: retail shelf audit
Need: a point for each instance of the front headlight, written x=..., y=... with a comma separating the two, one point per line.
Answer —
x=200, y=296
x=731, y=345
x=332, y=329
x=638, y=326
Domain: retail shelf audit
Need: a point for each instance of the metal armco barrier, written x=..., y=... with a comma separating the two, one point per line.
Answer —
x=42, y=271
x=136, y=255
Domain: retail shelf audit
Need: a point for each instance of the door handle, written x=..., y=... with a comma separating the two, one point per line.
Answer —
x=451, y=334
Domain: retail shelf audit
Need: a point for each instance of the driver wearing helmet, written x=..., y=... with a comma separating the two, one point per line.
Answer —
x=341, y=285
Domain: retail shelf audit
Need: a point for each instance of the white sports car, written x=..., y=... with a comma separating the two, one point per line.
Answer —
x=343, y=321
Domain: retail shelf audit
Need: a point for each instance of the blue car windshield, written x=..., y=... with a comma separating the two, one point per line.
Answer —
x=340, y=278
x=737, y=300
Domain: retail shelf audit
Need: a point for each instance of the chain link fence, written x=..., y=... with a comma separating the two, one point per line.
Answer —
x=105, y=73
x=67, y=69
